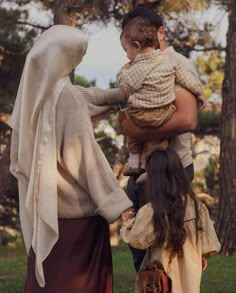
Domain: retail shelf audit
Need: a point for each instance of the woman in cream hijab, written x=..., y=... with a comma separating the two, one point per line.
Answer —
x=67, y=190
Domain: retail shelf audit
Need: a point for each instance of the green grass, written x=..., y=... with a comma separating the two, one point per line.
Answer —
x=124, y=273
x=12, y=269
x=220, y=276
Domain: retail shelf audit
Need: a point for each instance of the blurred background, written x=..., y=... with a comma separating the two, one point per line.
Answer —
x=202, y=30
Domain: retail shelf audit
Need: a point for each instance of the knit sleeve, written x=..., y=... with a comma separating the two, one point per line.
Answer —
x=100, y=102
x=139, y=231
x=210, y=242
x=87, y=164
x=101, y=97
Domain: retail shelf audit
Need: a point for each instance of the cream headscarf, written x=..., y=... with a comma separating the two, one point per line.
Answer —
x=33, y=149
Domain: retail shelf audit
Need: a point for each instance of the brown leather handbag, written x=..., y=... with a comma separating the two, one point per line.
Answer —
x=153, y=279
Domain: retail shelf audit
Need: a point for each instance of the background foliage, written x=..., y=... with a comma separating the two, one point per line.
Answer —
x=191, y=35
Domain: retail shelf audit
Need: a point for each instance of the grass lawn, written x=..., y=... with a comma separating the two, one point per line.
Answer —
x=220, y=276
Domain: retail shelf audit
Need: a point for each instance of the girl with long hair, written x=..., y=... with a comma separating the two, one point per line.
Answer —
x=174, y=226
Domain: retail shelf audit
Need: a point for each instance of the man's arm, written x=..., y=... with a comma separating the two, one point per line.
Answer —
x=184, y=119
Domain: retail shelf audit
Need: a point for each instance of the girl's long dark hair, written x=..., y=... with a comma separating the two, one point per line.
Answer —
x=168, y=189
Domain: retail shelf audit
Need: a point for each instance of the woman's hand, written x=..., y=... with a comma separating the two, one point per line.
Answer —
x=128, y=214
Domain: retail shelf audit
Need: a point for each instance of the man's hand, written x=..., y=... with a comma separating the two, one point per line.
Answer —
x=201, y=102
x=128, y=126
x=183, y=119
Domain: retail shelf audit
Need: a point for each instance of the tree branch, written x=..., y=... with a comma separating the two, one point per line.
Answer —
x=33, y=25
x=209, y=49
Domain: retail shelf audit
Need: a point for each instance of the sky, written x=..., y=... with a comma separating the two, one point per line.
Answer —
x=105, y=55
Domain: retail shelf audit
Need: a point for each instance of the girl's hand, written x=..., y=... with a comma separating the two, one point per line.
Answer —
x=204, y=263
x=128, y=214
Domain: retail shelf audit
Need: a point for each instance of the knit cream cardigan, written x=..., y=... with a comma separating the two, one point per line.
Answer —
x=86, y=183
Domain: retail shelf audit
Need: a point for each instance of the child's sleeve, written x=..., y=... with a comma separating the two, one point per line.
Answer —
x=139, y=231
x=210, y=242
x=131, y=80
x=187, y=77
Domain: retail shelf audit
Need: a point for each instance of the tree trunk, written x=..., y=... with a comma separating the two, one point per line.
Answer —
x=64, y=12
x=226, y=222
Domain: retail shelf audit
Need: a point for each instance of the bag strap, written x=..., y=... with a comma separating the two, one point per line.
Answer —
x=164, y=279
x=144, y=286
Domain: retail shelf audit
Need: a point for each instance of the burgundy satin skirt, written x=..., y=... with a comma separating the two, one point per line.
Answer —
x=80, y=262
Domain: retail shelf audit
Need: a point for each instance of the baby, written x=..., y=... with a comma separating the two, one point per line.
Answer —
x=149, y=83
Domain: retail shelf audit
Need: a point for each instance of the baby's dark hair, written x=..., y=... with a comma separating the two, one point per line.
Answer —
x=145, y=12
x=140, y=30
x=168, y=189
